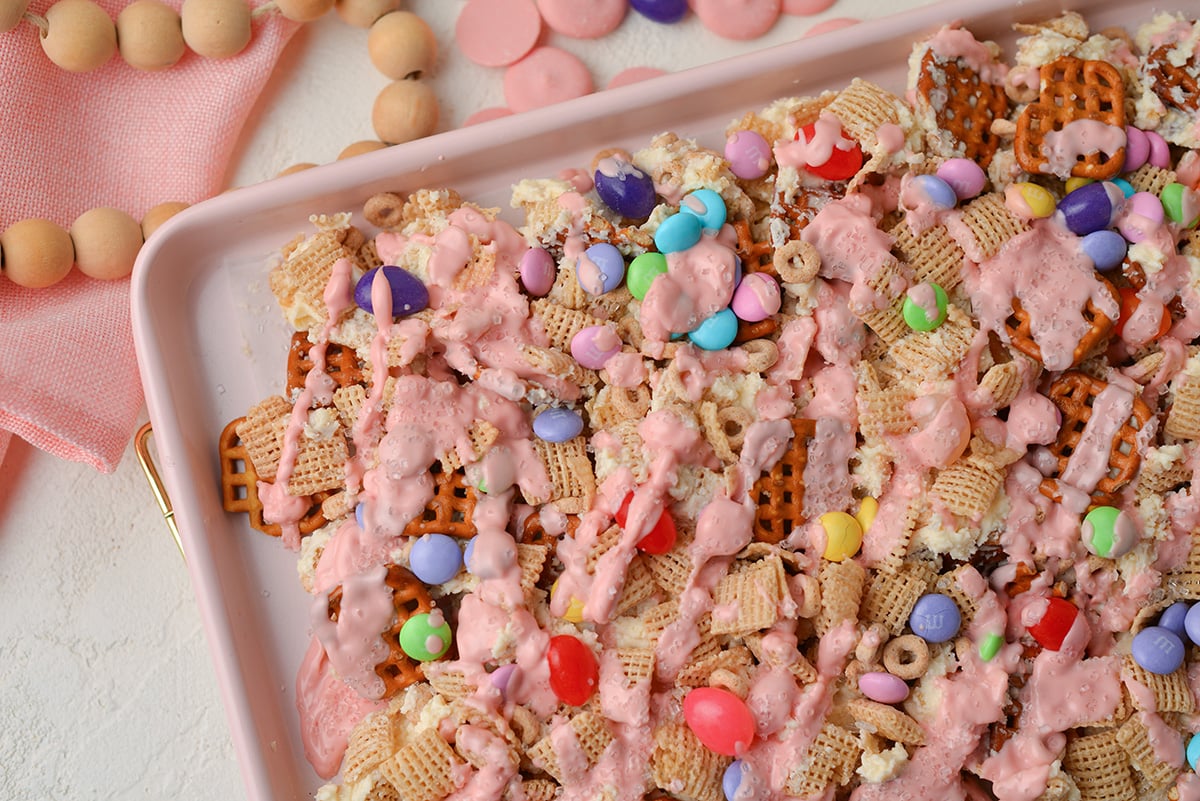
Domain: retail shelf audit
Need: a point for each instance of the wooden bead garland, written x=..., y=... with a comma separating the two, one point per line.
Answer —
x=79, y=36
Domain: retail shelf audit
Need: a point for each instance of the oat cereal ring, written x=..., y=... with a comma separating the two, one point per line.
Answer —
x=796, y=262
x=906, y=656
x=384, y=210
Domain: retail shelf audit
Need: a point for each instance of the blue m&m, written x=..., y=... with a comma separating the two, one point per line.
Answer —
x=1105, y=248
x=678, y=232
x=716, y=332
x=935, y=618
x=707, y=205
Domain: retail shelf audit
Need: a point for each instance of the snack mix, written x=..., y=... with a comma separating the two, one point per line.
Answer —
x=850, y=460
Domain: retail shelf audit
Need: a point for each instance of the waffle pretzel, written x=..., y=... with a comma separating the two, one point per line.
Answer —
x=1074, y=393
x=409, y=597
x=341, y=363
x=1175, y=86
x=451, y=510
x=1019, y=328
x=779, y=495
x=757, y=257
x=1072, y=89
x=963, y=105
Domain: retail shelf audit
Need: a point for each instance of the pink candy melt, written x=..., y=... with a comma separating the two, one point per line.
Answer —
x=634, y=75
x=738, y=19
x=547, y=75
x=496, y=33
x=583, y=19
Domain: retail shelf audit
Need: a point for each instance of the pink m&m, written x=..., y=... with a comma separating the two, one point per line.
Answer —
x=1137, y=148
x=1143, y=213
x=756, y=298
x=748, y=154
x=965, y=177
x=593, y=346
x=537, y=270
x=719, y=719
x=1160, y=152
x=883, y=687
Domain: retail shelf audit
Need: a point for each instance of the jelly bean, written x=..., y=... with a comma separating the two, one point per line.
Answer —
x=574, y=613
x=1143, y=213
x=601, y=269
x=748, y=154
x=1126, y=188
x=707, y=205
x=883, y=687
x=939, y=193
x=1052, y=628
x=1129, y=305
x=925, y=306
x=1193, y=750
x=558, y=425
x=1091, y=208
x=574, y=673
x=537, y=270
x=1137, y=149
x=409, y=295
x=989, y=646
x=965, y=177
x=425, y=637
x=1105, y=248
x=843, y=536
x=1181, y=204
x=642, y=272
x=661, y=11
x=1157, y=650
x=1191, y=624
x=435, y=558
x=660, y=538
x=677, y=233
x=842, y=164
x=1031, y=200
x=867, y=509
x=501, y=677
x=756, y=298
x=731, y=780
x=1160, y=151
x=719, y=719
x=593, y=346
x=1108, y=532
x=624, y=188
x=1173, y=617
x=1074, y=182
x=935, y=618
x=716, y=332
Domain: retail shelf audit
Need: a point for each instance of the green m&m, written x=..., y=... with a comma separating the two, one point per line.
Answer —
x=925, y=306
x=425, y=637
x=1108, y=532
x=1181, y=204
x=642, y=272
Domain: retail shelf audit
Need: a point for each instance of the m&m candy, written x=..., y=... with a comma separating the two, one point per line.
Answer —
x=661, y=11
x=1105, y=248
x=936, y=191
x=716, y=332
x=925, y=306
x=883, y=687
x=748, y=154
x=1137, y=149
x=537, y=270
x=731, y=780
x=845, y=156
x=1029, y=200
x=660, y=538
x=1108, y=532
x=719, y=719
x=1191, y=624
x=644, y=269
x=435, y=558
x=557, y=425
x=1051, y=629
x=1143, y=213
x=843, y=536
x=574, y=673
x=678, y=233
x=964, y=176
x=1181, y=204
x=1174, y=617
x=408, y=293
x=935, y=618
x=601, y=269
x=593, y=346
x=425, y=637
x=624, y=188
x=1193, y=750
x=756, y=298
x=1091, y=208
x=1157, y=650
x=707, y=206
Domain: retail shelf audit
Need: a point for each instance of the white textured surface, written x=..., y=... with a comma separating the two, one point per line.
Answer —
x=106, y=688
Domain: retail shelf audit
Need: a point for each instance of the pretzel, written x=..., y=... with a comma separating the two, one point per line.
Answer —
x=963, y=104
x=1019, y=328
x=756, y=256
x=451, y=510
x=1175, y=86
x=1072, y=89
x=779, y=494
x=341, y=363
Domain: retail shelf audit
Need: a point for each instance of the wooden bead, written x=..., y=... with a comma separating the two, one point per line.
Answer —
x=358, y=148
x=159, y=215
x=13, y=11
x=150, y=35
x=107, y=241
x=216, y=28
x=303, y=10
x=301, y=167
x=37, y=253
x=80, y=37
x=403, y=111
x=401, y=45
x=363, y=13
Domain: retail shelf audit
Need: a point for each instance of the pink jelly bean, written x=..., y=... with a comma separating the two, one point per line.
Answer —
x=1143, y=213
x=593, y=346
x=719, y=719
x=748, y=154
x=965, y=177
x=537, y=270
x=1160, y=153
x=883, y=687
x=1137, y=148
x=756, y=298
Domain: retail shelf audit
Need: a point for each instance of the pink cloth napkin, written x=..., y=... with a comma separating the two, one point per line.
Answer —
x=112, y=137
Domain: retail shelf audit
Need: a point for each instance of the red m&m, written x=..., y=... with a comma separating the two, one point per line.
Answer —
x=574, y=673
x=719, y=719
x=661, y=536
x=1056, y=621
x=842, y=164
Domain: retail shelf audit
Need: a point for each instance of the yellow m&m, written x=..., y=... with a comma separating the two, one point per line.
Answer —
x=574, y=613
x=867, y=509
x=1038, y=199
x=843, y=536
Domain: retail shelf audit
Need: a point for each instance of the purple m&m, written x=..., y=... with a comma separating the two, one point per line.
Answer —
x=756, y=298
x=1105, y=248
x=600, y=269
x=964, y=176
x=624, y=188
x=593, y=346
x=409, y=295
x=537, y=270
x=748, y=154
x=557, y=425
x=732, y=779
x=502, y=676
x=435, y=558
x=1174, y=617
x=883, y=687
x=1157, y=650
x=935, y=618
x=1091, y=207
x=661, y=11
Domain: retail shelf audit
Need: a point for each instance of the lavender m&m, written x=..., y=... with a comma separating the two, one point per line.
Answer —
x=664, y=12
x=1157, y=650
x=1137, y=149
x=935, y=618
x=1174, y=617
x=1105, y=248
x=1191, y=624
x=748, y=154
x=537, y=270
x=468, y=551
x=677, y=233
x=1143, y=214
x=593, y=346
x=1092, y=207
x=501, y=677
x=600, y=269
x=964, y=176
x=756, y=298
x=883, y=687
x=557, y=425
x=435, y=558
x=935, y=190
x=706, y=205
x=624, y=188
x=731, y=780
x=409, y=295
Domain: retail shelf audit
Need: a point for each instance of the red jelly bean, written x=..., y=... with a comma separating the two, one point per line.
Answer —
x=1052, y=629
x=1129, y=304
x=574, y=673
x=719, y=719
x=842, y=164
x=660, y=538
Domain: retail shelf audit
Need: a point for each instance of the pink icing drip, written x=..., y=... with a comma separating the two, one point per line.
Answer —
x=354, y=643
x=699, y=282
x=1079, y=138
x=952, y=43
x=800, y=153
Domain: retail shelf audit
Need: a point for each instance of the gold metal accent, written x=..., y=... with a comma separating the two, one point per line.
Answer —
x=141, y=446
